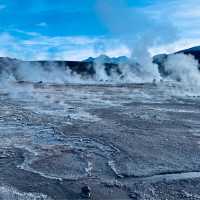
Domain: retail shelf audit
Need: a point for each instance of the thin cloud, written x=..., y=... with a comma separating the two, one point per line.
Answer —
x=42, y=24
x=41, y=47
x=178, y=45
x=184, y=14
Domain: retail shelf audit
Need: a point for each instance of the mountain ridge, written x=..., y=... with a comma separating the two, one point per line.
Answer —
x=90, y=66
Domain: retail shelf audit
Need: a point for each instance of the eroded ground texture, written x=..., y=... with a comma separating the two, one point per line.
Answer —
x=137, y=142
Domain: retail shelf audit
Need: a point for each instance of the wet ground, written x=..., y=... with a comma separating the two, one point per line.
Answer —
x=119, y=142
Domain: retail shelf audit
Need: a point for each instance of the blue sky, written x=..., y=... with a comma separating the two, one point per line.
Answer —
x=76, y=29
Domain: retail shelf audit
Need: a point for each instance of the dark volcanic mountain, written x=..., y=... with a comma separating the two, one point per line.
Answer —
x=195, y=51
x=99, y=69
x=161, y=58
x=85, y=69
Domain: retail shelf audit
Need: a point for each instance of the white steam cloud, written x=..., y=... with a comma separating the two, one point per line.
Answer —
x=183, y=68
x=138, y=30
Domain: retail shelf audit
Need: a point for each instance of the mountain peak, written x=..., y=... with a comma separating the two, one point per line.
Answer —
x=106, y=59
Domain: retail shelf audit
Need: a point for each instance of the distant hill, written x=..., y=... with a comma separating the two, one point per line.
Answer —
x=195, y=51
x=89, y=67
x=12, y=67
x=161, y=58
x=107, y=59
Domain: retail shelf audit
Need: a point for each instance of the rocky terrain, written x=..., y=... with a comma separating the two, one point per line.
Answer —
x=131, y=141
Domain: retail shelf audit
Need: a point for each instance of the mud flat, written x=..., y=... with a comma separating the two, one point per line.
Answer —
x=98, y=142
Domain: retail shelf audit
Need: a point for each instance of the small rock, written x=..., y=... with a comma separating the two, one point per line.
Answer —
x=154, y=82
x=69, y=117
x=86, y=192
x=134, y=196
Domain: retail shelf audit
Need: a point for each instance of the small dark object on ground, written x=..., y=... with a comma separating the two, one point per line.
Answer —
x=86, y=192
x=134, y=195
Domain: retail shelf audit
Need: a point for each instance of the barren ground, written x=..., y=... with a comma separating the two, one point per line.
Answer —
x=124, y=142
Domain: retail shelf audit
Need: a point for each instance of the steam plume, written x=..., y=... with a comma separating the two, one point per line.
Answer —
x=137, y=30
